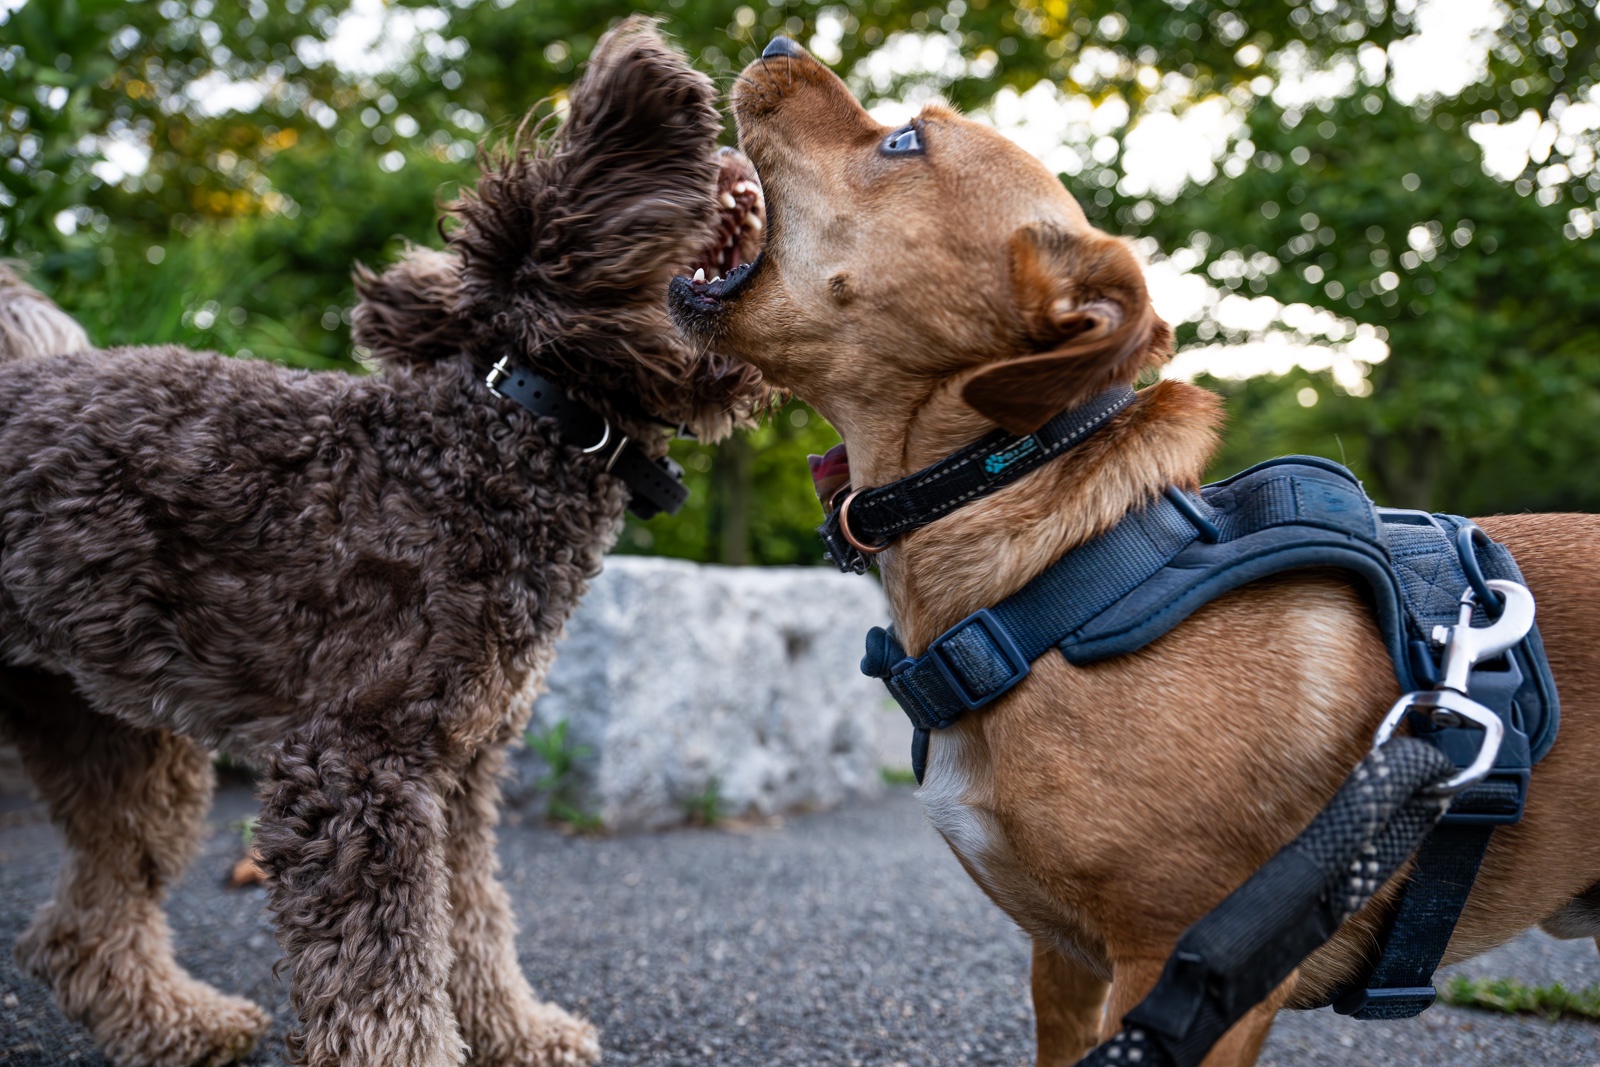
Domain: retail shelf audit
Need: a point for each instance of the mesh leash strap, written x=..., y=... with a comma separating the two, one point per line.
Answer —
x=1233, y=958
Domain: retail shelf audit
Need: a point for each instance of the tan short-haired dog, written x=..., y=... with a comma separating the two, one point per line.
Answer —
x=921, y=286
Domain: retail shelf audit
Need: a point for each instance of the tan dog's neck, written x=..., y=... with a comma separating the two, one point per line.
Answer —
x=992, y=547
x=886, y=443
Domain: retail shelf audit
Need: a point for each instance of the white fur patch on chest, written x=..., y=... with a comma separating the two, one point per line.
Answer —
x=978, y=840
x=971, y=834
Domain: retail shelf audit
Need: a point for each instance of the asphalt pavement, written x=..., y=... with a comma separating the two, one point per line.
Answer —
x=845, y=938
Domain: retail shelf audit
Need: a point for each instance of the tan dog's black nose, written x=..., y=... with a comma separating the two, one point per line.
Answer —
x=780, y=46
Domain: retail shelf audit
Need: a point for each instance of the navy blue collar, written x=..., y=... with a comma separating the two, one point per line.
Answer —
x=864, y=522
x=654, y=485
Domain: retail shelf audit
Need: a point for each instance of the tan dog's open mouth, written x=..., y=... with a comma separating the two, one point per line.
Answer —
x=725, y=266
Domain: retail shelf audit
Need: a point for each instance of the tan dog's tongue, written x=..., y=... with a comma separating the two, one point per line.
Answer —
x=830, y=473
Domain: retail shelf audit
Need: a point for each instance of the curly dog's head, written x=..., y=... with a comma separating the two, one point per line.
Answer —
x=561, y=256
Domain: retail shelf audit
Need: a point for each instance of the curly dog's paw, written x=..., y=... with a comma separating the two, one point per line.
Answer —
x=190, y=1026
x=141, y=1007
x=569, y=1040
x=544, y=1036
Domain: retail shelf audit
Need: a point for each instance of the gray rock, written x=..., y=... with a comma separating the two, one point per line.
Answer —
x=685, y=688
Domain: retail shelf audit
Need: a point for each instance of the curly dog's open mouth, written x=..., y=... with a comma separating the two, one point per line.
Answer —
x=725, y=268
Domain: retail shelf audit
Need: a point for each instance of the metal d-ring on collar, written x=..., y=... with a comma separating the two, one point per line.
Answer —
x=843, y=508
x=543, y=397
x=605, y=436
x=654, y=485
x=886, y=512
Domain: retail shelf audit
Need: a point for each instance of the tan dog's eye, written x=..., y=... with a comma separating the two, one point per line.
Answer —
x=906, y=141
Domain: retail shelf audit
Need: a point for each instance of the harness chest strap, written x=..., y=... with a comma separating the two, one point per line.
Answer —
x=1122, y=590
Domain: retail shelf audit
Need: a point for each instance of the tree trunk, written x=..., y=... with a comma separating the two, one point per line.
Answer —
x=730, y=501
x=1405, y=467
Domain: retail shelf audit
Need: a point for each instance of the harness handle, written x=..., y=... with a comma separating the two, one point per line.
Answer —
x=1467, y=540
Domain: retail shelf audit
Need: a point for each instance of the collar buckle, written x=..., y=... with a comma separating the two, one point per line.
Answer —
x=497, y=372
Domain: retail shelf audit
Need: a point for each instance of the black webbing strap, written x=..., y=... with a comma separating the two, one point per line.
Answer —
x=1233, y=958
x=1419, y=929
x=654, y=485
x=877, y=516
x=1413, y=941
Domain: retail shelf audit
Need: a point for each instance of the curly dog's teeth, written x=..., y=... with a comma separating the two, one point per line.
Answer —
x=728, y=201
x=700, y=275
x=745, y=187
x=752, y=224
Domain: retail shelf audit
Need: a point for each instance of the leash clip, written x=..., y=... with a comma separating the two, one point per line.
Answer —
x=1448, y=705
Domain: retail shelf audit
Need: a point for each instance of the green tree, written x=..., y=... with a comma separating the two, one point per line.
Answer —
x=1378, y=206
x=270, y=170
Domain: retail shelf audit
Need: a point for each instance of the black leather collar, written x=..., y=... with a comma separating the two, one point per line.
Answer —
x=864, y=522
x=655, y=485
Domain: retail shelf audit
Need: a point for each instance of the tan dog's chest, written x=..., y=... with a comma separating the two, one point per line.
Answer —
x=1094, y=794
x=954, y=785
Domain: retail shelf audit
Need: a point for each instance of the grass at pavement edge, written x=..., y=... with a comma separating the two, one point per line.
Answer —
x=1513, y=997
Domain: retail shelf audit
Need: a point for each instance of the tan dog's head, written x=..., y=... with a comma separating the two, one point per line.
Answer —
x=902, y=263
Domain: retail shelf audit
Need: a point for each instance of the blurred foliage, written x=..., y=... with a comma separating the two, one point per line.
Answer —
x=199, y=171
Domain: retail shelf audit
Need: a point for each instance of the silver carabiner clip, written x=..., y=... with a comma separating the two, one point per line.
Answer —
x=1464, y=647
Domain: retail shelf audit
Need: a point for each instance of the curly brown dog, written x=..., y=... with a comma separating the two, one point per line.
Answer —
x=921, y=286
x=359, y=580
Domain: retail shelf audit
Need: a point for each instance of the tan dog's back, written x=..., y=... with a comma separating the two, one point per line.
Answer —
x=922, y=286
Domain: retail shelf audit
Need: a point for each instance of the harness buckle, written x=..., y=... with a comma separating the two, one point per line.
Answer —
x=960, y=662
x=1464, y=646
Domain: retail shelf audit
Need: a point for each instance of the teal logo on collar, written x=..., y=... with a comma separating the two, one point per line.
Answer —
x=997, y=463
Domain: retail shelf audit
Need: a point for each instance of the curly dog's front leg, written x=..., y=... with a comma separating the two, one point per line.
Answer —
x=352, y=835
x=504, y=1024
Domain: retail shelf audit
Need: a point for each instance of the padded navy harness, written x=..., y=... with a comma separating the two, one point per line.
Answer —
x=1129, y=586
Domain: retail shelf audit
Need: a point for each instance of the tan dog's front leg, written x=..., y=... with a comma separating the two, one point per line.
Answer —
x=1132, y=980
x=1068, y=1002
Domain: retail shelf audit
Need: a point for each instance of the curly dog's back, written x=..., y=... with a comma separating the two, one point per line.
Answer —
x=227, y=548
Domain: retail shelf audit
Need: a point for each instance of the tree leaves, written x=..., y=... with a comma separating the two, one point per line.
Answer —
x=271, y=170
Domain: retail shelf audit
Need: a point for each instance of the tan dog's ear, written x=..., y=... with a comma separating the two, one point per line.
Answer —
x=1083, y=299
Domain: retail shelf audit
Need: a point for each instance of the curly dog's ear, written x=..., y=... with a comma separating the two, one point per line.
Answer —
x=600, y=214
x=1083, y=300
x=408, y=313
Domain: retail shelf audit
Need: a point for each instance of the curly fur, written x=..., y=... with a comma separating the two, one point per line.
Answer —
x=562, y=254
x=30, y=325
x=358, y=579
